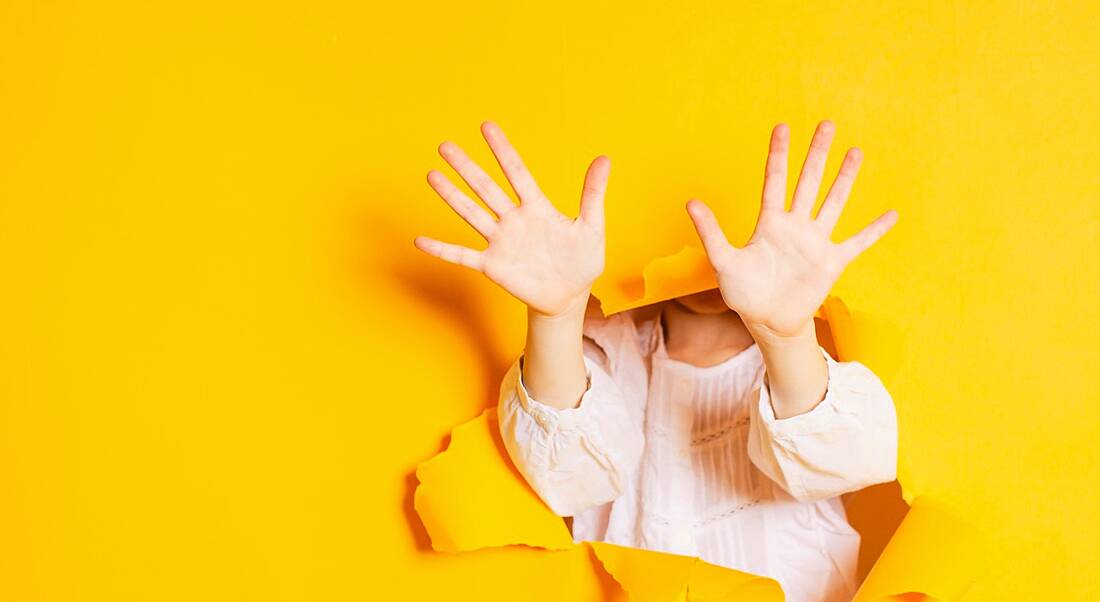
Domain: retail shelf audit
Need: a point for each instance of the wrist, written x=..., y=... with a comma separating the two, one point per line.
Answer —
x=571, y=309
x=553, y=368
x=770, y=339
x=796, y=372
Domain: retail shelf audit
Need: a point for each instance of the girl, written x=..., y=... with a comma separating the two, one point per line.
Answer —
x=711, y=425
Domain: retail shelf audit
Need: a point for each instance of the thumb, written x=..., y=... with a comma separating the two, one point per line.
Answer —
x=706, y=225
x=595, y=184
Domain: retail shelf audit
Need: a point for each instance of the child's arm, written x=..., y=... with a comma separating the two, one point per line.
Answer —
x=847, y=442
x=543, y=258
x=576, y=458
x=779, y=279
x=819, y=427
x=564, y=421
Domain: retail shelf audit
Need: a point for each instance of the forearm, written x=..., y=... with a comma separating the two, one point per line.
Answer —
x=796, y=371
x=553, y=364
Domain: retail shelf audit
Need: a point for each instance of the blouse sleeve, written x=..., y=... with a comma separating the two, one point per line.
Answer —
x=575, y=458
x=848, y=441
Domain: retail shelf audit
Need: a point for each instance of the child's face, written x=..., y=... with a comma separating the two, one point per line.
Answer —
x=706, y=302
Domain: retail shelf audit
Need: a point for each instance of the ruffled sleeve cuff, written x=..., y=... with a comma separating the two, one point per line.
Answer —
x=821, y=418
x=846, y=442
x=550, y=418
x=574, y=458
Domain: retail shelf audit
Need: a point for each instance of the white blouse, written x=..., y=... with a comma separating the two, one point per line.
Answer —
x=666, y=456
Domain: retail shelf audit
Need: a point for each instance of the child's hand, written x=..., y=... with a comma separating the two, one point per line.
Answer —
x=782, y=275
x=543, y=258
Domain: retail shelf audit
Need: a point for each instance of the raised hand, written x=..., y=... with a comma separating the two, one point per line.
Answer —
x=542, y=257
x=782, y=275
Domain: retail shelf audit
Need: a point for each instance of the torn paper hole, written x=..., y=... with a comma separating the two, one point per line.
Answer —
x=907, y=553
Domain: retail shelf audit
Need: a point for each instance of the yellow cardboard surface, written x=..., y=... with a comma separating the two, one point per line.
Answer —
x=657, y=577
x=933, y=553
x=682, y=273
x=223, y=359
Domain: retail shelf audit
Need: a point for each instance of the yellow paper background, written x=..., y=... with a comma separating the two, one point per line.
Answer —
x=223, y=359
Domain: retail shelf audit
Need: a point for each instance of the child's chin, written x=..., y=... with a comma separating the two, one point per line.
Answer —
x=706, y=302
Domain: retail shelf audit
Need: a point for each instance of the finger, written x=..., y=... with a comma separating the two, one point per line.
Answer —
x=479, y=181
x=595, y=185
x=862, y=240
x=809, y=179
x=714, y=240
x=456, y=254
x=774, y=197
x=522, y=181
x=837, y=196
x=465, y=207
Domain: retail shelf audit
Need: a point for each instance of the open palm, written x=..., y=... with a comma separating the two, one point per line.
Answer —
x=542, y=257
x=782, y=275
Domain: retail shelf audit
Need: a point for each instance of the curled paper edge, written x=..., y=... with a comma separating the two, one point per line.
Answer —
x=649, y=576
x=685, y=272
x=934, y=552
x=472, y=475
